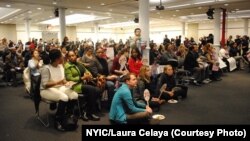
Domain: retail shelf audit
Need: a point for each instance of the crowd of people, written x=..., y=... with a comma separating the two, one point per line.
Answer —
x=73, y=68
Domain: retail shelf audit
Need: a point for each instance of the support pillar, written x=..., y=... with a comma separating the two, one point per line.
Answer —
x=144, y=26
x=27, y=28
x=217, y=22
x=246, y=22
x=62, y=23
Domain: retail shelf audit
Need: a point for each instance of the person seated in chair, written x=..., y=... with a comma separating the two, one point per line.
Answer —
x=76, y=72
x=191, y=64
x=14, y=64
x=34, y=64
x=124, y=109
x=172, y=91
x=110, y=79
x=54, y=87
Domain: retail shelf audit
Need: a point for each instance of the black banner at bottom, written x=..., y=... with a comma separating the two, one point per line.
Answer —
x=167, y=132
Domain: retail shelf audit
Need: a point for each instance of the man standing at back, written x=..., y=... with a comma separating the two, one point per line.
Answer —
x=136, y=41
x=124, y=109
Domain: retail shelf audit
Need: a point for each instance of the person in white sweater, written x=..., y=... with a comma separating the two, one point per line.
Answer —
x=54, y=87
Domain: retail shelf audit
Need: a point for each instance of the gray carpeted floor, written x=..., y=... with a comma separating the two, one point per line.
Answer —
x=223, y=102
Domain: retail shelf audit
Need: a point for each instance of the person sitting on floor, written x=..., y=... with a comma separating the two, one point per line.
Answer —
x=124, y=109
x=172, y=91
x=145, y=81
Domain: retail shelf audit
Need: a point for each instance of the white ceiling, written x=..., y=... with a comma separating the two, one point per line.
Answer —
x=119, y=10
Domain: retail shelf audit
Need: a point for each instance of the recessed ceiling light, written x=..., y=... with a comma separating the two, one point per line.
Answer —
x=50, y=16
x=74, y=18
x=54, y=2
x=2, y=22
x=88, y=7
x=177, y=10
x=8, y=5
x=39, y=8
x=30, y=12
x=11, y=19
x=237, y=9
x=71, y=11
x=226, y=4
x=199, y=7
x=174, y=15
x=102, y=4
x=110, y=10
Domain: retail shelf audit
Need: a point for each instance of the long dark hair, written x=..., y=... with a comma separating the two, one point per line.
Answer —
x=54, y=54
x=138, y=53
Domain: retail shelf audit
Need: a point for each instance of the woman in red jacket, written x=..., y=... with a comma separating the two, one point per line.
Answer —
x=135, y=61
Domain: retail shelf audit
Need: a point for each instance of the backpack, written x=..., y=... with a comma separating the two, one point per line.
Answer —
x=69, y=122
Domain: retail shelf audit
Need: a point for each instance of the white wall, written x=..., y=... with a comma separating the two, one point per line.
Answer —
x=8, y=32
x=232, y=28
x=36, y=31
x=16, y=32
x=192, y=31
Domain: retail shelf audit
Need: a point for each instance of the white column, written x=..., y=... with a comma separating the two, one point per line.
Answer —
x=144, y=20
x=62, y=23
x=246, y=22
x=96, y=28
x=183, y=35
x=27, y=28
x=217, y=24
x=144, y=26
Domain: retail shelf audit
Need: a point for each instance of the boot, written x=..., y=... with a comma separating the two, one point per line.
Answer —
x=59, y=116
x=70, y=106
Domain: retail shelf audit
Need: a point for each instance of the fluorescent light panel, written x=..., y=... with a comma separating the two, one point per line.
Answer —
x=157, y=1
x=74, y=18
x=203, y=2
x=122, y=24
x=175, y=6
x=12, y=12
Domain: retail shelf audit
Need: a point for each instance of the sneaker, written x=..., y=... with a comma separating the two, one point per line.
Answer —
x=59, y=126
x=93, y=117
x=196, y=83
x=84, y=117
x=218, y=79
x=208, y=80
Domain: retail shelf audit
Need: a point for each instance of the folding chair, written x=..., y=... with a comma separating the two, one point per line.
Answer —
x=38, y=99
